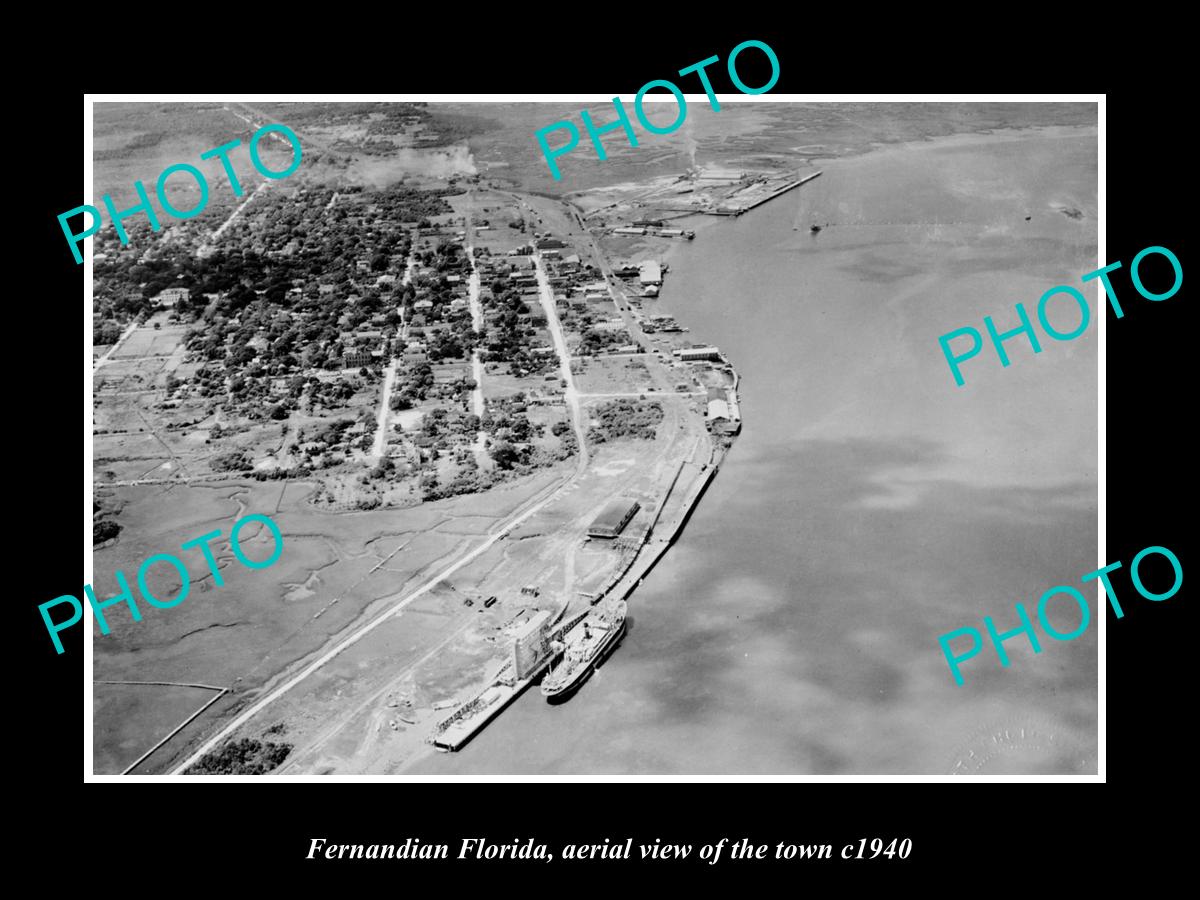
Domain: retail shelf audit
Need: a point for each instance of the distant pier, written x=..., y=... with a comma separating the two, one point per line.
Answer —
x=738, y=210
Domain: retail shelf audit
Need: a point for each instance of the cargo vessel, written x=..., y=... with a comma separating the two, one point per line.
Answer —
x=585, y=647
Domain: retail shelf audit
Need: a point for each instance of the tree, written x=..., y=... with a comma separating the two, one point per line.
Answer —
x=103, y=530
x=504, y=454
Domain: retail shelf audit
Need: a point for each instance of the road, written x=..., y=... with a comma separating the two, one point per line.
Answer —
x=113, y=349
x=209, y=246
x=546, y=294
x=477, y=324
x=632, y=325
x=479, y=448
x=379, y=446
x=389, y=381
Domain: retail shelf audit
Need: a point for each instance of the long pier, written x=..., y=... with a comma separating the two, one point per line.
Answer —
x=738, y=210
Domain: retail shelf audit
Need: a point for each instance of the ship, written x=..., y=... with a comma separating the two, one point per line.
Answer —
x=586, y=646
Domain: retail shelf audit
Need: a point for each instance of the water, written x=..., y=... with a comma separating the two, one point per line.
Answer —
x=870, y=505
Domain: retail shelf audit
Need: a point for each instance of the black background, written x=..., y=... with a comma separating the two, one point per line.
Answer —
x=262, y=832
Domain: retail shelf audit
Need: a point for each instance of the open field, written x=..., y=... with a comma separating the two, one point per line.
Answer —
x=128, y=723
x=614, y=374
x=334, y=569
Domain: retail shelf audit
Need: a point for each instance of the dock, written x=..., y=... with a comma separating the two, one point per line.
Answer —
x=470, y=718
x=738, y=210
x=501, y=690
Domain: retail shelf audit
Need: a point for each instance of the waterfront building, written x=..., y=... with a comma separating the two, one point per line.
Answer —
x=613, y=518
x=688, y=354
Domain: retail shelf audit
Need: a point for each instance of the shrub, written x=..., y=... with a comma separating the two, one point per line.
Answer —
x=626, y=418
x=242, y=757
x=103, y=530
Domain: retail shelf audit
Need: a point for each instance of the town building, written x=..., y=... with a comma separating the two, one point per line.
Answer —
x=688, y=354
x=171, y=296
x=613, y=518
x=531, y=644
x=650, y=272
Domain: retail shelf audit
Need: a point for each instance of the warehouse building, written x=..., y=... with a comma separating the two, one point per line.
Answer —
x=688, y=354
x=650, y=272
x=613, y=519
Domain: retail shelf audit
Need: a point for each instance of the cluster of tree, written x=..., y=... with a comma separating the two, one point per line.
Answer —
x=232, y=461
x=246, y=756
x=569, y=445
x=106, y=332
x=622, y=418
x=457, y=391
x=440, y=428
x=278, y=474
x=331, y=394
x=507, y=455
x=505, y=420
x=384, y=468
x=595, y=341
x=468, y=480
x=401, y=203
x=446, y=345
x=104, y=530
x=447, y=258
x=510, y=338
x=251, y=391
x=333, y=432
x=330, y=243
x=415, y=387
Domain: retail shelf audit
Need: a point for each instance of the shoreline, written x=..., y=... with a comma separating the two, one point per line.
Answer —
x=486, y=703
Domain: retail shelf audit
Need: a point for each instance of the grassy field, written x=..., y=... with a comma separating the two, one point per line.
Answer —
x=132, y=718
x=333, y=569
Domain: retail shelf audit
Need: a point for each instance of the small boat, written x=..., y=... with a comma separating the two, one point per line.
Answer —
x=815, y=229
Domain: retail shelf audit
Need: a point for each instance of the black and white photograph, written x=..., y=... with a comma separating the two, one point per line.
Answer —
x=696, y=436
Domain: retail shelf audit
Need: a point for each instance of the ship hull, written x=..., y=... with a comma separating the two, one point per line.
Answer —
x=560, y=694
